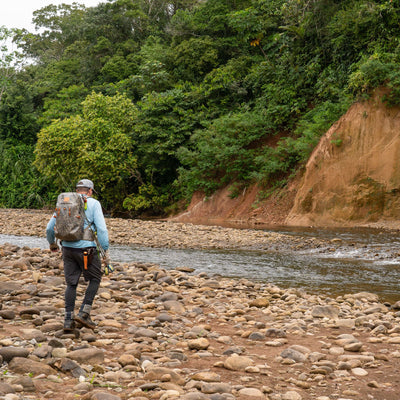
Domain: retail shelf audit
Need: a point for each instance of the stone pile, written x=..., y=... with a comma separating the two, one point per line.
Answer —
x=154, y=233
x=176, y=334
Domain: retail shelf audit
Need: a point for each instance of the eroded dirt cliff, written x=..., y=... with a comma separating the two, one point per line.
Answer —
x=246, y=209
x=353, y=175
x=351, y=179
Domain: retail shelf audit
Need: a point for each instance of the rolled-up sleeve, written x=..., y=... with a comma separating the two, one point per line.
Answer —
x=50, y=235
x=100, y=224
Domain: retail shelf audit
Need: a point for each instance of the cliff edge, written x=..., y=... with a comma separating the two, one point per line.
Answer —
x=351, y=179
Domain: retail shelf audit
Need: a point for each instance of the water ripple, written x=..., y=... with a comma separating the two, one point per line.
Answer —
x=362, y=262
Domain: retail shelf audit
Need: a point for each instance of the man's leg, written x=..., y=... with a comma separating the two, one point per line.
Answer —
x=93, y=275
x=70, y=296
x=84, y=313
x=72, y=273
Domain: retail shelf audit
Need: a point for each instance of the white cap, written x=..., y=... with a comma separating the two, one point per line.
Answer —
x=86, y=183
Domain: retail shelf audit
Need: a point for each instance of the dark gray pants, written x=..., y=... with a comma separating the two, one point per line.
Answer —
x=74, y=267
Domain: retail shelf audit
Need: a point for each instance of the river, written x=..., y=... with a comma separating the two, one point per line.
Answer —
x=366, y=260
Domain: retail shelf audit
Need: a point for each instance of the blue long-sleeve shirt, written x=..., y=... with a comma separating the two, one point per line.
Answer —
x=94, y=215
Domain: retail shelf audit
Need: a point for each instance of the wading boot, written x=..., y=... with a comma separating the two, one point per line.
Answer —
x=84, y=319
x=69, y=325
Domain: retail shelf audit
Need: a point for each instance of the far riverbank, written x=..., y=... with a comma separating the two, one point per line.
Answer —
x=171, y=234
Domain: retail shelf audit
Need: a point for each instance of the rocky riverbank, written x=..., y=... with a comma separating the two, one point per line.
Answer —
x=165, y=334
x=155, y=233
x=170, y=234
x=177, y=334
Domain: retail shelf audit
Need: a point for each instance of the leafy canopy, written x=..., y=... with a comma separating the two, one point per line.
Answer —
x=95, y=145
x=187, y=95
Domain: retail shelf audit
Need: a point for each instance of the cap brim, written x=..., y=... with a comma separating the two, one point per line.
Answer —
x=81, y=186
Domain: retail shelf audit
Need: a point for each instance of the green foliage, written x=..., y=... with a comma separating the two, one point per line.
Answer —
x=10, y=59
x=375, y=71
x=66, y=102
x=94, y=145
x=362, y=26
x=393, y=98
x=194, y=58
x=21, y=185
x=224, y=88
x=222, y=153
x=187, y=95
x=277, y=162
x=18, y=117
x=147, y=198
x=165, y=122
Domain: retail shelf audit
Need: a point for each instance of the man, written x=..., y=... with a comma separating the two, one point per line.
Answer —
x=81, y=257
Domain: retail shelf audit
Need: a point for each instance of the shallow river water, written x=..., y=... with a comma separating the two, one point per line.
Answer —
x=365, y=260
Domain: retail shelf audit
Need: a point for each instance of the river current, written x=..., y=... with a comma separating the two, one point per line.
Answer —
x=366, y=260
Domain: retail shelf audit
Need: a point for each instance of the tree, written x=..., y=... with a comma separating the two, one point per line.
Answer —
x=10, y=60
x=222, y=153
x=95, y=145
x=64, y=104
x=59, y=27
x=213, y=83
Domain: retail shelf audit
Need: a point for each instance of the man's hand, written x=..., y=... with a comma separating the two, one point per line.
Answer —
x=54, y=247
x=106, y=258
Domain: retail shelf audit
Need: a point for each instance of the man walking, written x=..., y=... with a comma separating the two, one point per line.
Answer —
x=81, y=257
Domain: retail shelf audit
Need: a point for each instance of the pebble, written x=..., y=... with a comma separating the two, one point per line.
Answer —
x=251, y=392
x=359, y=372
x=238, y=363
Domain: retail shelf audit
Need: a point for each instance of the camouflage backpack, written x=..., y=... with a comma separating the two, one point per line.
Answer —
x=70, y=218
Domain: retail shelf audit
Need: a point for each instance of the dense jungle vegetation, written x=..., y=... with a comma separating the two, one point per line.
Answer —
x=156, y=99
